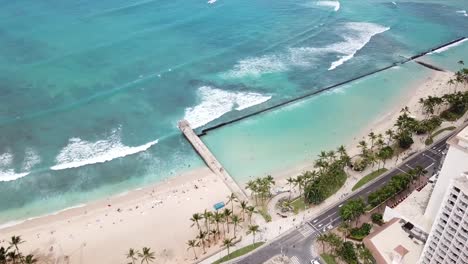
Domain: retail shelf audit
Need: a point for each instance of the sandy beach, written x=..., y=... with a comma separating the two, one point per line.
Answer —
x=158, y=216
x=435, y=85
x=103, y=231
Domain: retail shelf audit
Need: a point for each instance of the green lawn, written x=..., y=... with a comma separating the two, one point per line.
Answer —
x=430, y=139
x=329, y=259
x=263, y=211
x=369, y=177
x=299, y=205
x=239, y=252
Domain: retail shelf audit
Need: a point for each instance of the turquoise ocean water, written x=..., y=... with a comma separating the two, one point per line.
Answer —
x=91, y=91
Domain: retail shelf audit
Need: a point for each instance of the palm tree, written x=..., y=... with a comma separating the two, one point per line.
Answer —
x=3, y=255
x=14, y=242
x=390, y=134
x=192, y=244
x=132, y=255
x=217, y=218
x=250, y=211
x=323, y=238
x=254, y=229
x=231, y=199
x=146, y=255
x=252, y=186
x=300, y=180
x=30, y=259
x=235, y=220
x=228, y=244
x=419, y=171
x=372, y=137
x=291, y=182
x=202, y=237
x=227, y=214
x=207, y=216
x=196, y=219
x=345, y=227
x=12, y=256
x=243, y=206
x=363, y=146
x=213, y=232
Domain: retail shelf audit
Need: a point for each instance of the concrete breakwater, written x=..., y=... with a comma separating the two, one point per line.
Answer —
x=316, y=92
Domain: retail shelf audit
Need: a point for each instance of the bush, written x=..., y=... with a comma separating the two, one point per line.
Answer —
x=405, y=140
x=361, y=232
x=395, y=185
x=348, y=253
x=386, y=153
x=360, y=164
x=377, y=218
x=325, y=184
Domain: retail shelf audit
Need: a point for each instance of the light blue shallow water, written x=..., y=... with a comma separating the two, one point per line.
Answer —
x=87, y=88
x=277, y=140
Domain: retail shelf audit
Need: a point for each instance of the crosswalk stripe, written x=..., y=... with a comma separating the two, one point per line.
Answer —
x=306, y=230
x=295, y=260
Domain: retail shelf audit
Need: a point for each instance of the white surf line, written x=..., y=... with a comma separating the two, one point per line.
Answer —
x=449, y=46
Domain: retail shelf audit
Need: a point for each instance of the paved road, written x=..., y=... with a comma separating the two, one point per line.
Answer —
x=297, y=244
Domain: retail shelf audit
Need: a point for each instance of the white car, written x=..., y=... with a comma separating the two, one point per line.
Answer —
x=314, y=261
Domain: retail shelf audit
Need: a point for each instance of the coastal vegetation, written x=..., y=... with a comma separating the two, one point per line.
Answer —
x=369, y=177
x=221, y=227
x=333, y=247
x=397, y=184
x=328, y=177
x=358, y=233
x=239, y=252
x=13, y=255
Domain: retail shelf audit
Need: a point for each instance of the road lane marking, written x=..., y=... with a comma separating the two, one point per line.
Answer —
x=432, y=164
x=306, y=230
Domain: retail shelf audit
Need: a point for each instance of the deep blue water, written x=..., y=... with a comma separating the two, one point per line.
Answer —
x=91, y=91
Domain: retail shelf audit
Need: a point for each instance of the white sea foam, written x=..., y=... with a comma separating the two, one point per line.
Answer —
x=14, y=223
x=216, y=102
x=357, y=36
x=7, y=173
x=449, y=46
x=31, y=159
x=257, y=65
x=211, y=1
x=463, y=12
x=334, y=4
x=80, y=152
x=394, y=3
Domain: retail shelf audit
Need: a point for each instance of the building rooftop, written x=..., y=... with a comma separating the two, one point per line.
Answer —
x=412, y=209
x=393, y=244
x=462, y=182
x=460, y=140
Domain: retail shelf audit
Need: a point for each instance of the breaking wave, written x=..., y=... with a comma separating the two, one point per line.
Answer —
x=216, y=102
x=334, y=4
x=462, y=12
x=449, y=46
x=356, y=36
x=80, y=152
x=8, y=173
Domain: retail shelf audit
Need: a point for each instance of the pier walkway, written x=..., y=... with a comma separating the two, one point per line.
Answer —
x=210, y=159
